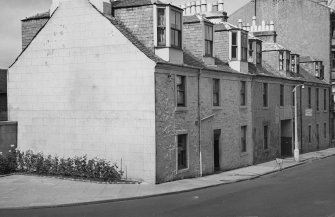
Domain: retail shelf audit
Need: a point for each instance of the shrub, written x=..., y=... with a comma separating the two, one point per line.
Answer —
x=7, y=163
x=77, y=167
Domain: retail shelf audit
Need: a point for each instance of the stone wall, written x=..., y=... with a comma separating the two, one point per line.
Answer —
x=221, y=45
x=193, y=36
x=171, y=121
x=139, y=20
x=82, y=87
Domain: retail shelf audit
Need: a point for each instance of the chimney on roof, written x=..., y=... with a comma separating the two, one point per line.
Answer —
x=101, y=5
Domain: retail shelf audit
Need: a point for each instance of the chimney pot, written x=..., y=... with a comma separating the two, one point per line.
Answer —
x=193, y=9
x=188, y=8
x=221, y=5
x=198, y=6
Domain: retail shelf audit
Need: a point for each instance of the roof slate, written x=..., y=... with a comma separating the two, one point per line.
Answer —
x=191, y=19
x=304, y=59
x=38, y=16
x=134, y=3
x=268, y=46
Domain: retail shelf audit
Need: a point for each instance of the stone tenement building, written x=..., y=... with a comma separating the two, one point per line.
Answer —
x=172, y=94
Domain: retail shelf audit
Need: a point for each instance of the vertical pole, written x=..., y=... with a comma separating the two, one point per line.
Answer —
x=296, y=143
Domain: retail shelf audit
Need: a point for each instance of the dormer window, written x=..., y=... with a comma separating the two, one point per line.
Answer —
x=295, y=63
x=251, y=51
x=234, y=45
x=317, y=69
x=161, y=27
x=244, y=47
x=175, y=20
x=208, y=40
x=287, y=61
x=281, y=60
x=258, y=53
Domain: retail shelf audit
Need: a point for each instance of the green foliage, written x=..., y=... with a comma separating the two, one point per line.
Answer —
x=77, y=167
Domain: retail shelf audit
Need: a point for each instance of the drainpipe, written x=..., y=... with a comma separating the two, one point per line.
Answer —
x=199, y=123
x=301, y=142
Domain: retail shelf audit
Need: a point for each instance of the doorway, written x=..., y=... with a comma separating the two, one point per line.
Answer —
x=217, y=136
x=286, y=138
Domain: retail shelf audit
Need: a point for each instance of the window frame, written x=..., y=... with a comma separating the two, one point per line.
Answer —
x=234, y=47
x=178, y=164
x=288, y=60
x=309, y=97
x=266, y=137
x=333, y=59
x=216, y=89
x=243, y=93
x=265, y=93
x=251, y=51
x=174, y=29
x=317, y=69
x=325, y=130
x=244, y=47
x=258, y=52
x=317, y=100
x=282, y=95
x=244, y=130
x=209, y=41
x=161, y=27
x=281, y=60
x=184, y=91
x=325, y=100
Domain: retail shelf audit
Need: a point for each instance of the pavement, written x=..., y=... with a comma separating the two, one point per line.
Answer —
x=26, y=191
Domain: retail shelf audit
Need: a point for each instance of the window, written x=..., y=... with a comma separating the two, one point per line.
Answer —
x=208, y=40
x=182, y=151
x=325, y=130
x=243, y=138
x=317, y=98
x=322, y=72
x=333, y=59
x=161, y=26
x=175, y=20
x=251, y=51
x=266, y=136
x=281, y=95
x=234, y=45
x=281, y=60
x=317, y=72
x=293, y=63
x=181, y=91
x=244, y=47
x=309, y=97
x=325, y=100
x=216, y=92
x=258, y=53
x=332, y=128
x=287, y=61
x=243, y=93
x=265, y=95
x=309, y=133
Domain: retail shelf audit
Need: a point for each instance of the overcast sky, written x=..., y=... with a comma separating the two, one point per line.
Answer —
x=13, y=11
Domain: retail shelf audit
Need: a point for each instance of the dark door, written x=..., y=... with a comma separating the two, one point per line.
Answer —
x=286, y=146
x=217, y=135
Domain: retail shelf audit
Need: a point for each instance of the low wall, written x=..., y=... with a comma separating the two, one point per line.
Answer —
x=8, y=136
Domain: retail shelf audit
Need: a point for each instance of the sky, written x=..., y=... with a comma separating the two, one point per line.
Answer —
x=13, y=11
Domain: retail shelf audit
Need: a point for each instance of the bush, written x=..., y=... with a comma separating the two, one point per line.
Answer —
x=77, y=167
x=7, y=163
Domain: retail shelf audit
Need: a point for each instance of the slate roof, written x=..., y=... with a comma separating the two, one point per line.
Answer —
x=305, y=59
x=134, y=3
x=191, y=19
x=269, y=46
x=38, y=16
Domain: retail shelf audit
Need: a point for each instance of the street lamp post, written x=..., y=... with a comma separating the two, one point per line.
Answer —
x=296, y=140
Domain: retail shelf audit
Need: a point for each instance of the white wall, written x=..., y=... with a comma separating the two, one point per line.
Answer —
x=82, y=88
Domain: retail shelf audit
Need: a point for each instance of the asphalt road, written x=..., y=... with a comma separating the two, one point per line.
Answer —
x=307, y=190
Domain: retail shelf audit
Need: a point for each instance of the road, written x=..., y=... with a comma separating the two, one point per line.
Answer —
x=307, y=190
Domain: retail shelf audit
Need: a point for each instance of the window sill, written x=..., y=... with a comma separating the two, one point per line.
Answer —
x=243, y=107
x=182, y=109
x=217, y=108
x=265, y=108
x=325, y=111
